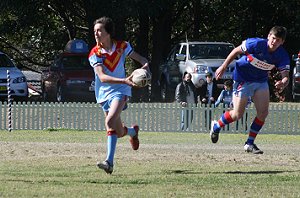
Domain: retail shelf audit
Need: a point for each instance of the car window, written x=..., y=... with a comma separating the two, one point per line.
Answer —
x=173, y=52
x=75, y=62
x=209, y=51
x=5, y=61
x=183, y=50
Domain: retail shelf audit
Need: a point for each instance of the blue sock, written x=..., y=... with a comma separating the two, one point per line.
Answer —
x=111, y=146
x=131, y=132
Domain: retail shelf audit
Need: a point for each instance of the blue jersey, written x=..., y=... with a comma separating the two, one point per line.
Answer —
x=113, y=65
x=225, y=97
x=253, y=66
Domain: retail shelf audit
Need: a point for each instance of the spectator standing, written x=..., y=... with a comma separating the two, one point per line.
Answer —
x=209, y=91
x=186, y=94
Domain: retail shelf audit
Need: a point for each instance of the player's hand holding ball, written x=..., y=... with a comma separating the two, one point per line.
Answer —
x=141, y=77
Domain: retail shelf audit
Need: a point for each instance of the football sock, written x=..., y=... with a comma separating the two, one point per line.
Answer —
x=225, y=119
x=131, y=131
x=111, y=146
x=254, y=129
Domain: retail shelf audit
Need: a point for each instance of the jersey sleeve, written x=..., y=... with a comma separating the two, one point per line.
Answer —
x=249, y=45
x=283, y=62
x=128, y=49
x=94, y=59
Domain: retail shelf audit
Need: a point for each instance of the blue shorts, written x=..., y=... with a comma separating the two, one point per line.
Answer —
x=106, y=104
x=247, y=89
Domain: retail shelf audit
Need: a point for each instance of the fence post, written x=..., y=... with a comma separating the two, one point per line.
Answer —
x=9, y=101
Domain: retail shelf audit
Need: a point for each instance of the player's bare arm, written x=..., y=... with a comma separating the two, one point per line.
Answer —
x=142, y=60
x=110, y=79
x=281, y=84
x=233, y=54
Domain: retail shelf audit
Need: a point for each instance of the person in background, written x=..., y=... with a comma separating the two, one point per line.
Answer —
x=112, y=87
x=209, y=91
x=225, y=96
x=185, y=94
x=258, y=56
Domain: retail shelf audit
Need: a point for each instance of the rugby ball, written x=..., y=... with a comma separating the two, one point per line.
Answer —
x=141, y=77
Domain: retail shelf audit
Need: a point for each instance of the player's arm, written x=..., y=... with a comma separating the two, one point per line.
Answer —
x=281, y=84
x=233, y=54
x=98, y=68
x=142, y=60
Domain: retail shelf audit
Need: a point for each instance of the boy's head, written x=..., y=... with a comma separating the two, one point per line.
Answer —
x=276, y=37
x=208, y=76
x=228, y=84
x=279, y=32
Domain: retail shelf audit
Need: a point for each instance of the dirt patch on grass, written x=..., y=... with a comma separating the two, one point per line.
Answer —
x=275, y=155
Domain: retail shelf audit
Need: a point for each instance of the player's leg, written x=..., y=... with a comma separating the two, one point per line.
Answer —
x=112, y=109
x=261, y=103
x=117, y=106
x=239, y=99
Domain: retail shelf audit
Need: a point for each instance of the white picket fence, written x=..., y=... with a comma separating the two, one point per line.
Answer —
x=161, y=117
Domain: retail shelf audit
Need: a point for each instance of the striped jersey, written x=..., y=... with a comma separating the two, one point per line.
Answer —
x=113, y=65
x=254, y=64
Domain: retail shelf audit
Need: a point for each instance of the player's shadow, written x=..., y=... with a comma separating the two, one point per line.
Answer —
x=259, y=172
x=187, y=172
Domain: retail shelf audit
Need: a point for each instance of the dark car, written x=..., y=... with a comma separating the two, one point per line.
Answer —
x=296, y=78
x=70, y=77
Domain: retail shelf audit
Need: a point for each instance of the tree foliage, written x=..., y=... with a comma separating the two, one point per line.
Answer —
x=34, y=31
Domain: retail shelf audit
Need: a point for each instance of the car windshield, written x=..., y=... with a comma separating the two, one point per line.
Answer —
x=75, y=62
x=5, y=61
x=209, y=51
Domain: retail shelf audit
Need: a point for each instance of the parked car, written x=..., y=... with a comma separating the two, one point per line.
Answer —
x=197, y=58
x=70, y=77
x=18, y=83
x=296, y=78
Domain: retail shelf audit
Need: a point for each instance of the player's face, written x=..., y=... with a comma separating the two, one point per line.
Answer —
x=274, y=42
x=100, y=33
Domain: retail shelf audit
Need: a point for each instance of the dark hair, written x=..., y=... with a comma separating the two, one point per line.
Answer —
x=185, y=73
x=279, y=31
x=208, y=74
x=228, y=83
x=108, y=23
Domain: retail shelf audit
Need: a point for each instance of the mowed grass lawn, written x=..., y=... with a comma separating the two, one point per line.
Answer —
x=63, y=164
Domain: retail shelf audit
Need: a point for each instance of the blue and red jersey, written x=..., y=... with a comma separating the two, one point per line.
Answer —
x=253, y=66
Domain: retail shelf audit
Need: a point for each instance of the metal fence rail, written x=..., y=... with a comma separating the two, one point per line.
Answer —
x=163, y=117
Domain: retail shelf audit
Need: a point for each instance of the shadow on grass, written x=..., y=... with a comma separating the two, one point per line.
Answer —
x=232, y=172
x=260, y=172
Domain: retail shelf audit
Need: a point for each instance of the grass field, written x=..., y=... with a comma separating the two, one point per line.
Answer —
x=63, y=164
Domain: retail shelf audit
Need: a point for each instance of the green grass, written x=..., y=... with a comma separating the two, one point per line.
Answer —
x=61, y=163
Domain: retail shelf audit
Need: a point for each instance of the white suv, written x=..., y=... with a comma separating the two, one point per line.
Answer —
x=196, y=58
x=18, y=83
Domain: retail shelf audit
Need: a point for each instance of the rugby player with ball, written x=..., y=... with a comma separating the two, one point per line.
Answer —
x=112, y=87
